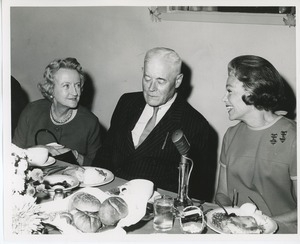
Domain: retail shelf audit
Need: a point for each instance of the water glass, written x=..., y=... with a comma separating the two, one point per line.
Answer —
x=163, y=213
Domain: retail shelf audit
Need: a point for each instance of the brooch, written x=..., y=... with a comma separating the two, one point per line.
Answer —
x=275, y=135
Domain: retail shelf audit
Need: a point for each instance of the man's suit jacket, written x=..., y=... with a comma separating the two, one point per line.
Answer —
x=157, y=158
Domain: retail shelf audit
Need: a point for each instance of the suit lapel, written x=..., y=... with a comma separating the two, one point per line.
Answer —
x=163, y=131
x=133, y=116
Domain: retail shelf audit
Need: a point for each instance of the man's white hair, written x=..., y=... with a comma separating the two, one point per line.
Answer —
x=167, y=54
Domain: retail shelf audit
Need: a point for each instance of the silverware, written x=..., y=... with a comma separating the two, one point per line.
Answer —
x=253, y=202
x=226, y=213
x=234, y=198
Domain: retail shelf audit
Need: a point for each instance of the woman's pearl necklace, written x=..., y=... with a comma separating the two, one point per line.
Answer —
x=64, y=120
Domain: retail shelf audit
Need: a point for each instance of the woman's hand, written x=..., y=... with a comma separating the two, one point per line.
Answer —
x=289, y=217
x=222, y=189
x=56, y=149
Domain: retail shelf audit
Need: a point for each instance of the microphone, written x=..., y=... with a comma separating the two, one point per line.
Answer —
x=185, y=169
x=181, y=143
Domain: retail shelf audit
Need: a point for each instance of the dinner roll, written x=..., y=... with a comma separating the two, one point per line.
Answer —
x=87, y=222
x=84, y=202
x=112, y=210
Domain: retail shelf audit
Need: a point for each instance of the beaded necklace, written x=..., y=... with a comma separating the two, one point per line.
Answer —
x=62, y=121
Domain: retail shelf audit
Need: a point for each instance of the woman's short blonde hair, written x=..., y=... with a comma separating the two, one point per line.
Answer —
x=47, y=85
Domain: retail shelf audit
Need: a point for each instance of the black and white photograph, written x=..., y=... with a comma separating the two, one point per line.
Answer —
x=149, y=121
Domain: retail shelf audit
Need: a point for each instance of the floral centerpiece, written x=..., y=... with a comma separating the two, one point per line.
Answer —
x=26, y=183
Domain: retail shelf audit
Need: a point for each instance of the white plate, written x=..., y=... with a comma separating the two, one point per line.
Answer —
x=109, y=177
x=56, y=178
x=50, y=161
x=270, y=226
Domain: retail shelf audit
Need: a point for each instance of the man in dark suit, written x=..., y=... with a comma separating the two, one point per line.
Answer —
x=155, y=157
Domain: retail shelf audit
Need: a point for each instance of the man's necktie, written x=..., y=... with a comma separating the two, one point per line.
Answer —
x=149, y=126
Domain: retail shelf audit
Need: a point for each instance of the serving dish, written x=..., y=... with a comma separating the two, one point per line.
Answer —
x=58, y=181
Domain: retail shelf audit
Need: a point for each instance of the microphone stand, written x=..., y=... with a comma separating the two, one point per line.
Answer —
x=185, y=169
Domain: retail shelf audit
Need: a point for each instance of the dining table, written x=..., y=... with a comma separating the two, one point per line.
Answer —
x=146, y=226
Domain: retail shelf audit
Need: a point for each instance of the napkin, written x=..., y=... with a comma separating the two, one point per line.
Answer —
x=62, y=204
x=136, y=210
x=62, y=224
x=67, y=229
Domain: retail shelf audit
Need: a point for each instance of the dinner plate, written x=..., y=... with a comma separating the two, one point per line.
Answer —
x=57, y=178
x=50, y=161
x=270, y=226
x=109, y=178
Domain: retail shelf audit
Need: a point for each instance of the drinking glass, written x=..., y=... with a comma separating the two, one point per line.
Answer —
x=163, y=213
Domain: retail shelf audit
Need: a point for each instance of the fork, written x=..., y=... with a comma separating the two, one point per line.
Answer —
x=234, y=198
x=226, y=213
x=253, y=202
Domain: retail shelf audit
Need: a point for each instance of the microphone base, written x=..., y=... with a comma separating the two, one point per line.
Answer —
x=182, y=203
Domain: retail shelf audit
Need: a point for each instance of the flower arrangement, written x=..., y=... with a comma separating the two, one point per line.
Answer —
x=26, y=183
